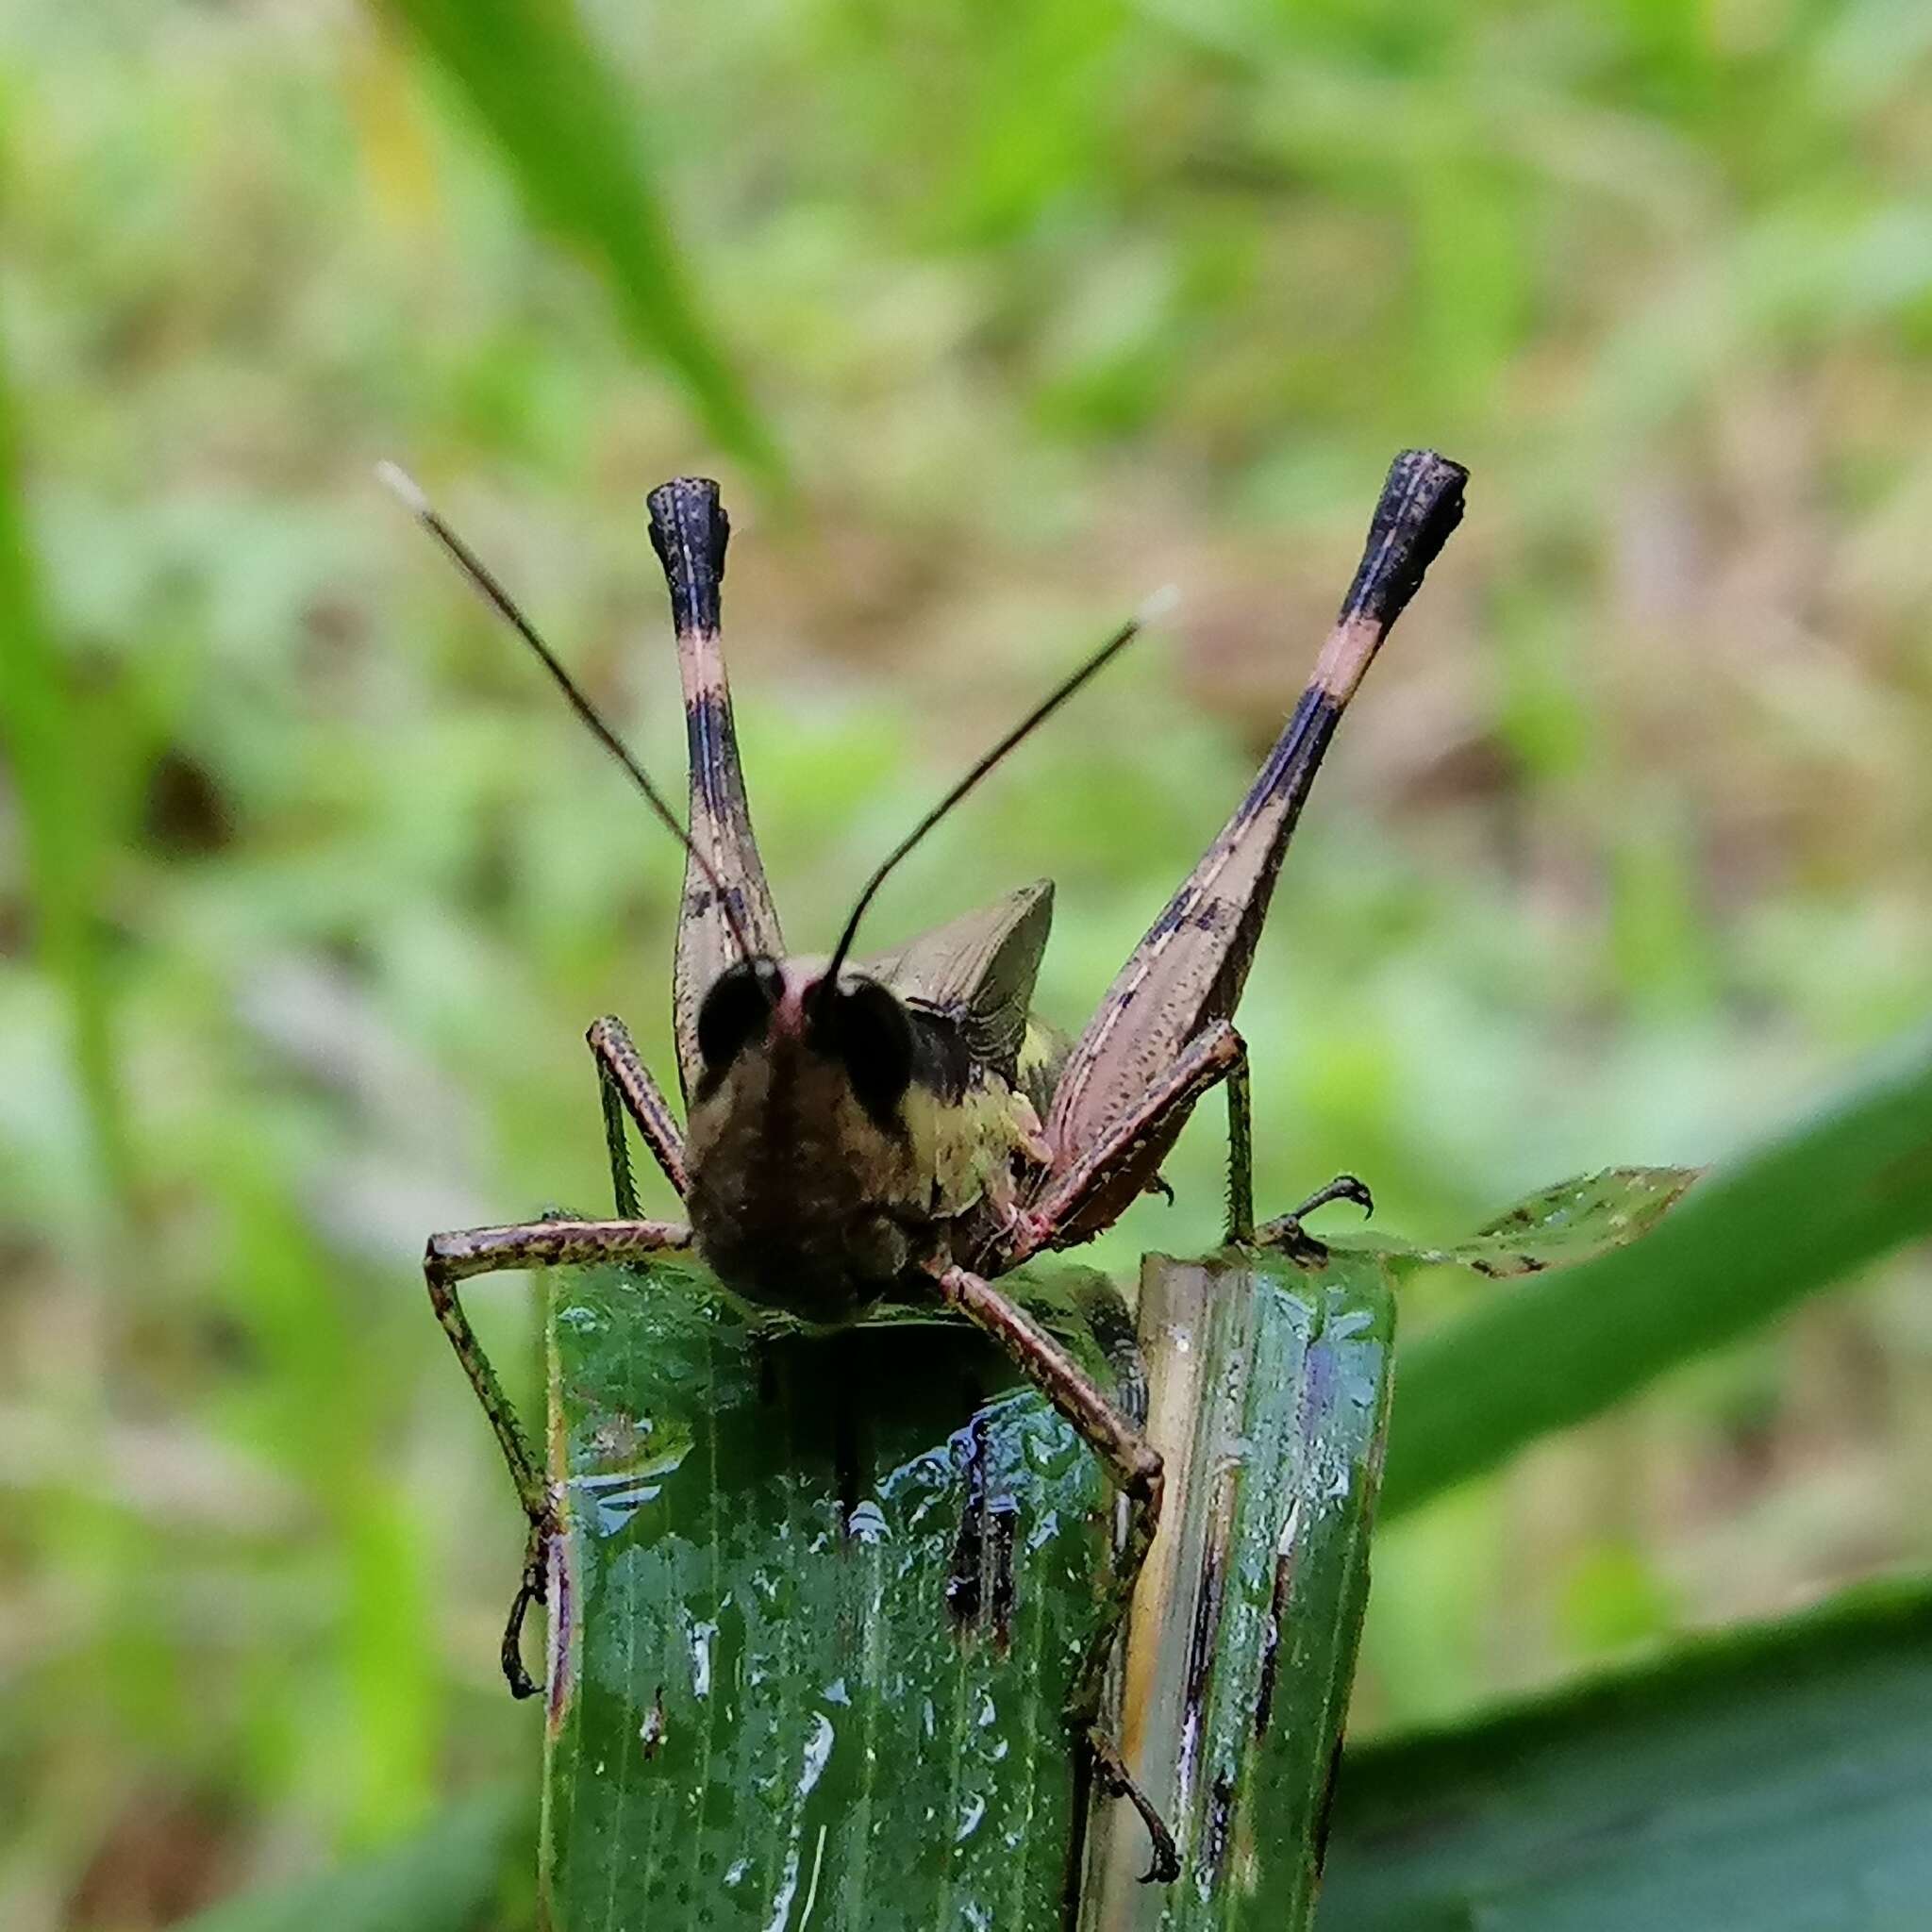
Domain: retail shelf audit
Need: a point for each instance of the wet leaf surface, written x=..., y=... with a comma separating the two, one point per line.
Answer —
x=1269, y=1392
x=826, y=1599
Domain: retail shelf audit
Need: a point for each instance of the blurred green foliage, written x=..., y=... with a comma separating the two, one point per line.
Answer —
x=307, y=889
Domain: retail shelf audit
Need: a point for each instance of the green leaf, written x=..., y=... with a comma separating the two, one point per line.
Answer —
x=1556, y=1227
x=59, y=769
x=1269, y=1392
x=825, y=1602
x=1741, y=1246
x=445, y=1879
x=1776, y=1779
x=564, y=127
x=824, y=1599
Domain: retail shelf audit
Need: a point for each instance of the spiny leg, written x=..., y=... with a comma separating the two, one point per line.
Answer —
x=1133, y=1466
x=624, y=1187
x=627, y=1088
x=1241, y=1155
x=1284, y=1230
x=1134, y=1143
x=453, y=1257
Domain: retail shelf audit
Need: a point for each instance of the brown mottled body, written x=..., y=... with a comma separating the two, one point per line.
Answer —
x=799, y=1200
x=858, y=1132
x=802, y=1197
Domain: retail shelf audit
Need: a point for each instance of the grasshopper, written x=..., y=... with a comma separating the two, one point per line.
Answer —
x=902, y=1126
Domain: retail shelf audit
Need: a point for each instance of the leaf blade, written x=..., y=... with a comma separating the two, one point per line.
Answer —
x=558, y=117
x=1748, y=1241
x=1773, y=1780
x=824, y=1616
x=1270, y=1388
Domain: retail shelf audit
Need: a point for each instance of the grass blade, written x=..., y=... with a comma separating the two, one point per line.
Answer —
x=1776, y=1779
x=825, y=1600
x=564, y=129
x=57, y=778
x=1269, y=1389
x=1740, y=1247
x=1556, y=1227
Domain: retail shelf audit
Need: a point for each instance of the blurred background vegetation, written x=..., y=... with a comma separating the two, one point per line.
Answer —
x=993, y=320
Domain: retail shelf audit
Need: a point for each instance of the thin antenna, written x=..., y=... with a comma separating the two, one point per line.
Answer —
x=410, y=495
x=1156, y=605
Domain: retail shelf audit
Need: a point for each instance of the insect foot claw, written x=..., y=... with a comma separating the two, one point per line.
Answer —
x=1287, y=1234
x=1118, y=1782
x=1344, y=1187
x=533, y=1589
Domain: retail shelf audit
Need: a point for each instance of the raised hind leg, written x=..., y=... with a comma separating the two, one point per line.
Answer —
x=1187, y=974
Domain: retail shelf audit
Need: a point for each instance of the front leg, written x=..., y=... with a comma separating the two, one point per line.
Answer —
x=453, y=1257
x=627, y=1088
x=1133, y=1466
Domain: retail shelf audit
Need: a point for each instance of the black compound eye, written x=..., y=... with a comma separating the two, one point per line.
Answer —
x=737, y=1009
x=865, y=1027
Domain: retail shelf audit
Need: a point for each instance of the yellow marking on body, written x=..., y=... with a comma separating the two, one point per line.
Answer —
x=967, y=1145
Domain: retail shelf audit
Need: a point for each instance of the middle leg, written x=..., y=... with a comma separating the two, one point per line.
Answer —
x=627, y=1088
x=1285, y=1231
